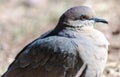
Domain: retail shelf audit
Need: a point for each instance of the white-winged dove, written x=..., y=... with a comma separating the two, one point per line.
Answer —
x=74, y=48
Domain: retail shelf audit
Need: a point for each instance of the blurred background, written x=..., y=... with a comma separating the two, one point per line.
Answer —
x=22, y=21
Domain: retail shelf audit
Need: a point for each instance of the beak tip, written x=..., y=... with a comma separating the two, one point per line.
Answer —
x=106, y=22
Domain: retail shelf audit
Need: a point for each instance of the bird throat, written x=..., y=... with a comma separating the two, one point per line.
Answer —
x=79, y=24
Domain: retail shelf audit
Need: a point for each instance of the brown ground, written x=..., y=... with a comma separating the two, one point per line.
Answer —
x=21, y=21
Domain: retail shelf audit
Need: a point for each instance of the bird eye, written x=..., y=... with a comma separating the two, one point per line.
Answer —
x=83, y=17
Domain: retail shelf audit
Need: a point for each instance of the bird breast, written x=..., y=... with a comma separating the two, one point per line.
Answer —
x=92, y=47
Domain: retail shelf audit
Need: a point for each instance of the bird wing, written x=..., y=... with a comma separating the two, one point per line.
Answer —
x=53, y=56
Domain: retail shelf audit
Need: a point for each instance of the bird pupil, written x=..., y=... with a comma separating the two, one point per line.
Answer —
x=82, y=17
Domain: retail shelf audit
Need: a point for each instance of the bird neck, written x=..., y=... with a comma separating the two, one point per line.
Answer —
x=63, y=28
x=55, y=31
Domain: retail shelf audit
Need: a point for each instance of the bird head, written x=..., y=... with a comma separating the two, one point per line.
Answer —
x=80, y=16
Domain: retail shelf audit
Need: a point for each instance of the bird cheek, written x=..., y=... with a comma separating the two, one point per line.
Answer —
x=91, y=23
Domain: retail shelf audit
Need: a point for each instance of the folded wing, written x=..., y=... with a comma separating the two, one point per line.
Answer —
x=48, y=57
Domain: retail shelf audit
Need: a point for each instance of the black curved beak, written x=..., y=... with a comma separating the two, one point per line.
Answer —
x=100, y=20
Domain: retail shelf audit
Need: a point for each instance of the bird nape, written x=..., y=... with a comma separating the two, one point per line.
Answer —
x=73, y=49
